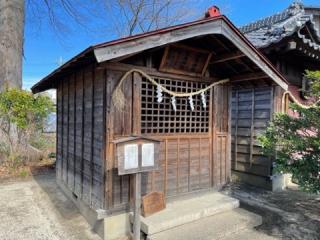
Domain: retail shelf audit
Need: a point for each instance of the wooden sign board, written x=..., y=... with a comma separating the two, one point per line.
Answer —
x=137, y=154
x=153, y=203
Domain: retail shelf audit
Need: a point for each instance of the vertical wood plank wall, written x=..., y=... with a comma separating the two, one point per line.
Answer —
x=80, y=134
x=188, y=162
x=88, y=123
x=252, y=109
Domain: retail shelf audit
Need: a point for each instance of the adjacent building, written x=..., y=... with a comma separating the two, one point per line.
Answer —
x=291, y=41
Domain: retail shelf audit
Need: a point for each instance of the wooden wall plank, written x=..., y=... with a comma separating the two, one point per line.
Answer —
x=92, y=172
x=87, y=136
x=79, y=132
x=82, y=133
x=109, y=133
x=178, y=165
x=70, y=148
x=165, y=168
x=183, y=165
x=112, y=78
x=74, y=132
x=98, y=140
x=221, y=146
x=212, y=137
x=104, y=170
x=252, y=125
x=59, y=144
x=65, y=132
x=251, y=112
x=136, y=104
x=236, y=129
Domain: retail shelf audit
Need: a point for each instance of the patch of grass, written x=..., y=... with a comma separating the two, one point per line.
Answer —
x=52, y=155
x=43, y=142
x=23, y=173
x=4, y=149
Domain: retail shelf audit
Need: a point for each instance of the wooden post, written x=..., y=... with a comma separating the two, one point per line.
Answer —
x=137, y=206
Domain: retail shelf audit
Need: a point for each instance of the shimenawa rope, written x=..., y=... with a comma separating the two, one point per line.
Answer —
x=118, y=97
x=295, y=101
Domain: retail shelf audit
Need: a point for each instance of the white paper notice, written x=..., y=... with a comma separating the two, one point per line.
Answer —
x=147, y=155
x=131, y=156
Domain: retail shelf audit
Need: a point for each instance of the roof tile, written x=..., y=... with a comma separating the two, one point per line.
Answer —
x=273, y=29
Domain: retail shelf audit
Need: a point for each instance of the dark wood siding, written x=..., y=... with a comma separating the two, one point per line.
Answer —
x=79, y=132
x=88, y=123
x=188, y=161
x=59, y=132
x=252, y=109
x=80, y=141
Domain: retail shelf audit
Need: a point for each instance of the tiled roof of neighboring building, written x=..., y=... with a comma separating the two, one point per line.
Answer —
x=273, y=29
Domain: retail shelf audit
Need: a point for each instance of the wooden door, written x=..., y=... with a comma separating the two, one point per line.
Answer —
x=221, y=135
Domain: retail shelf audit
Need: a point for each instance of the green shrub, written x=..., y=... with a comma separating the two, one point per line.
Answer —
x=42, y=141
x=22, y=117
x=294, y=142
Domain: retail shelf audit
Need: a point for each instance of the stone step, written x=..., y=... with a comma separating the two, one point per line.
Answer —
x=187, y=210
x=215, y=227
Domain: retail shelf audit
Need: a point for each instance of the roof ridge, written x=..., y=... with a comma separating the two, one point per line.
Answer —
x=312, y=6
x=294, y=9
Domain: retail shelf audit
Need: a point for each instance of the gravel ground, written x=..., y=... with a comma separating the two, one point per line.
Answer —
x=36, y=209
x=289, y=214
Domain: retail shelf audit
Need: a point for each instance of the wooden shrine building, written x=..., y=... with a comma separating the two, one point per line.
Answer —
x=291, y=41
x=195, y=133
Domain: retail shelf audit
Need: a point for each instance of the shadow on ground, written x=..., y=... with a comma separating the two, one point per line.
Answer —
x=65, y=210
x=62, y=204
x=289, y=214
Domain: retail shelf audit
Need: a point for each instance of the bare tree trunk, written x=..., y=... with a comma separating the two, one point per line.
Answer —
x=11, y=43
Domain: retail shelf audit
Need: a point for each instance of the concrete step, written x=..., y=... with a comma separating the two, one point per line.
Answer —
x=187, y=210
x=219, y=226
x=250, y=234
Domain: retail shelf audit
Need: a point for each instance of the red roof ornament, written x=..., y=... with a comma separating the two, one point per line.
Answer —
x=213, y=11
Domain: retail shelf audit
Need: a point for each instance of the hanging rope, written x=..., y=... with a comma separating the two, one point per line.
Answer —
x=118, y=97
x=295, y=101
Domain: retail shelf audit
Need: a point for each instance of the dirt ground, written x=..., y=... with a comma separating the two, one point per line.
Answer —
x=27, y=169
x=36, y=209
x=289, y=214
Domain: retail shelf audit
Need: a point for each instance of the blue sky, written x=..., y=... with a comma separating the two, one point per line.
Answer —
x=44, y=48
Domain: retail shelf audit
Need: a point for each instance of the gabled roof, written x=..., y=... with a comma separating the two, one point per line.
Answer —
x=141, y=42
x=273, y=29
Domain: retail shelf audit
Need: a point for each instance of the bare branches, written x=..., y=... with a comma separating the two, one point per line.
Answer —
x=134, y=16
x=62, y=15
x=118, y=18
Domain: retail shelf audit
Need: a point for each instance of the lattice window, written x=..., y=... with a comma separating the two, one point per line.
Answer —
x=161, y=118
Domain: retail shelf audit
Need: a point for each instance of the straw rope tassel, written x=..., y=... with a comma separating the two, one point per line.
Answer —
x=118, y=97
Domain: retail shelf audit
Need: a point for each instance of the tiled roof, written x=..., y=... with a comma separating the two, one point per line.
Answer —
x=273, y=29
